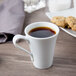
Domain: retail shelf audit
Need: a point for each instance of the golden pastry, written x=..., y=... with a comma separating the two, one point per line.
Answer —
x=71, y=21
x=74, y=28
x=59, y=20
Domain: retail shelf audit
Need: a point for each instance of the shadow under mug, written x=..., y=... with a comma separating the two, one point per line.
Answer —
x=42, y=49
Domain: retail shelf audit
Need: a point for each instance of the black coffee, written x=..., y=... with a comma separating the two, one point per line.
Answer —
x=42, y=32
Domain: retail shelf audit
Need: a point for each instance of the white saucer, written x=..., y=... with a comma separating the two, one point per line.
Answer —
x=69, y=12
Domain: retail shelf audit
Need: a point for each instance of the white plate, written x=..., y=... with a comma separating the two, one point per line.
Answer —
x=70, y=12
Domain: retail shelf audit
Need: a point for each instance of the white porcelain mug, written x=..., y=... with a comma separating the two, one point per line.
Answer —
x=42, y=49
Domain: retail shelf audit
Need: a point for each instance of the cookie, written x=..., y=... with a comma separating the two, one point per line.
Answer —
x=59, y=20
x=74, y=28
x=71, y=21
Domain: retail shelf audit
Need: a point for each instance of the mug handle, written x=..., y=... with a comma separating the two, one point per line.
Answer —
x=18, y=37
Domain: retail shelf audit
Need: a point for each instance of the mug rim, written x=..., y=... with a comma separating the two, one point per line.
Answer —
x=26, y=33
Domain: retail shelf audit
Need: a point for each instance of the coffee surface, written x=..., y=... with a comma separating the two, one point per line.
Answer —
x=42, y=32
